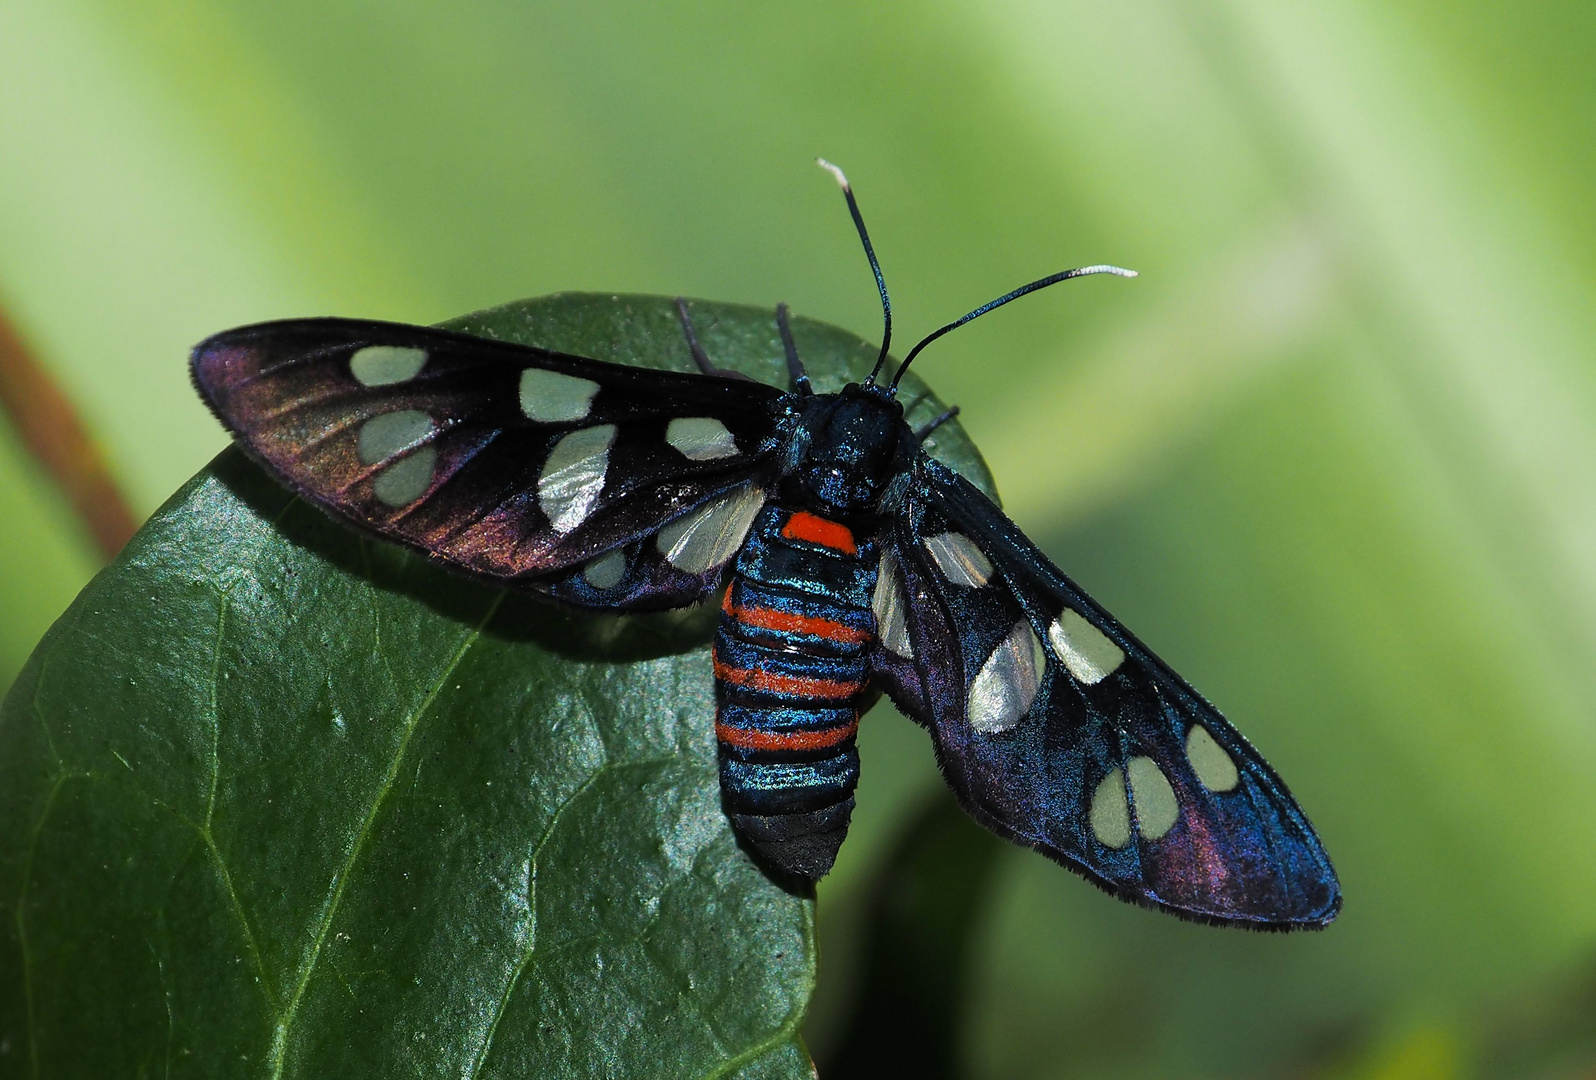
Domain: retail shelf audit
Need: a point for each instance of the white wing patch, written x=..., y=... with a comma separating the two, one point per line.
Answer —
x=1156, y=808
x=1209, y=761
x=384, y=365
x=1083, y=649
x=892, y=625
x=1006, y=685
x=390, y=434
x=959, y=559
x=573, y=476
x=1110, y=814
x=713, y=533
x=606, y=571
x=407, y=479
x=700, y=438
x=552, y=398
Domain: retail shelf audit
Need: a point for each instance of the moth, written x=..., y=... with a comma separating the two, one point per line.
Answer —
x=853, y=563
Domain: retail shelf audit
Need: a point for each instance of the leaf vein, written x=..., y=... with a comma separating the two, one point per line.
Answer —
x=788, y=1031
x=74, y=614
x=216, y=714
x=21, y=916
x=256, y=960
x=530, y=950
x=207, y=838
x=277, y=1056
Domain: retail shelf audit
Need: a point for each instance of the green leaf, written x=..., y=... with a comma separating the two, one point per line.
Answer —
x=279, y=801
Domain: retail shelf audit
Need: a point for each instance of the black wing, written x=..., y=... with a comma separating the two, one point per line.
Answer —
x=1059, y=730
x=606, y=485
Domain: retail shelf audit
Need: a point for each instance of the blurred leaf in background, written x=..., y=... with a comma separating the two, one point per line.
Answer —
x=1333, y=455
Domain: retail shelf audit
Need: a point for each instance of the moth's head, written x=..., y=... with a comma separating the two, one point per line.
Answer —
x=855, y=443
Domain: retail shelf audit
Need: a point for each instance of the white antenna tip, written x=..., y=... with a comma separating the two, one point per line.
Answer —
x=1118, y=271
x=834, y=171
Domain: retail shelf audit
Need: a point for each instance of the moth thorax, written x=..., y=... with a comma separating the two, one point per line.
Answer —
x=856, y=446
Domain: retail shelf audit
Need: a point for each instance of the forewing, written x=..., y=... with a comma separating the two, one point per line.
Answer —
x=1059, y=730
x=605, y=485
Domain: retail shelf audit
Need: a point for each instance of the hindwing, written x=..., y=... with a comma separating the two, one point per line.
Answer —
x=1058, y=729
x=606, y=485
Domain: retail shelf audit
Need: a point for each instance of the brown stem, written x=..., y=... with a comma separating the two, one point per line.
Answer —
x=57, y=438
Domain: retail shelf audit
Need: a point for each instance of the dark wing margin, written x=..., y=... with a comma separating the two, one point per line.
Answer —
x=604, y=485
x=1059, y=730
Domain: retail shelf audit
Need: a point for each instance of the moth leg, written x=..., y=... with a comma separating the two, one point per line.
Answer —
x=923, y=433
x=795, y=366
x=700, y=357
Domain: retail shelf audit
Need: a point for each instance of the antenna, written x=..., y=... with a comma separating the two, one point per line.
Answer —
x=875, y=267
x=1042, y=283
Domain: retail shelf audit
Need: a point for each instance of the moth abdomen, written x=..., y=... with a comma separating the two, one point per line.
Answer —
x=790, y=671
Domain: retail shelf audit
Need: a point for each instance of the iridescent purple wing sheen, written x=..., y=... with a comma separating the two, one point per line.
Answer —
x=516, y=464
x=1059, y=730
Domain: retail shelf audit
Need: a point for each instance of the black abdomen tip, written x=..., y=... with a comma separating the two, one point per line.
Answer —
x=804, y=845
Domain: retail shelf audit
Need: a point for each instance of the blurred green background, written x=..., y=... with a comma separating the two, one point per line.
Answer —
x=1333, y=454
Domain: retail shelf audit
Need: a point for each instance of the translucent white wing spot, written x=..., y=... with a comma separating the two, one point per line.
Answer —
x=606, y=571
x=1006, y=685
x=1083, y=649
x=407, y=479
x=892, y=625
x=384, y=365
x=700, y=438
x=1156, y=808
x=1209, y=761
x=383, y=436
x=960, y=561
x=552, y=398
x=713, y=533
x=1110, y=814
x=573, y=476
